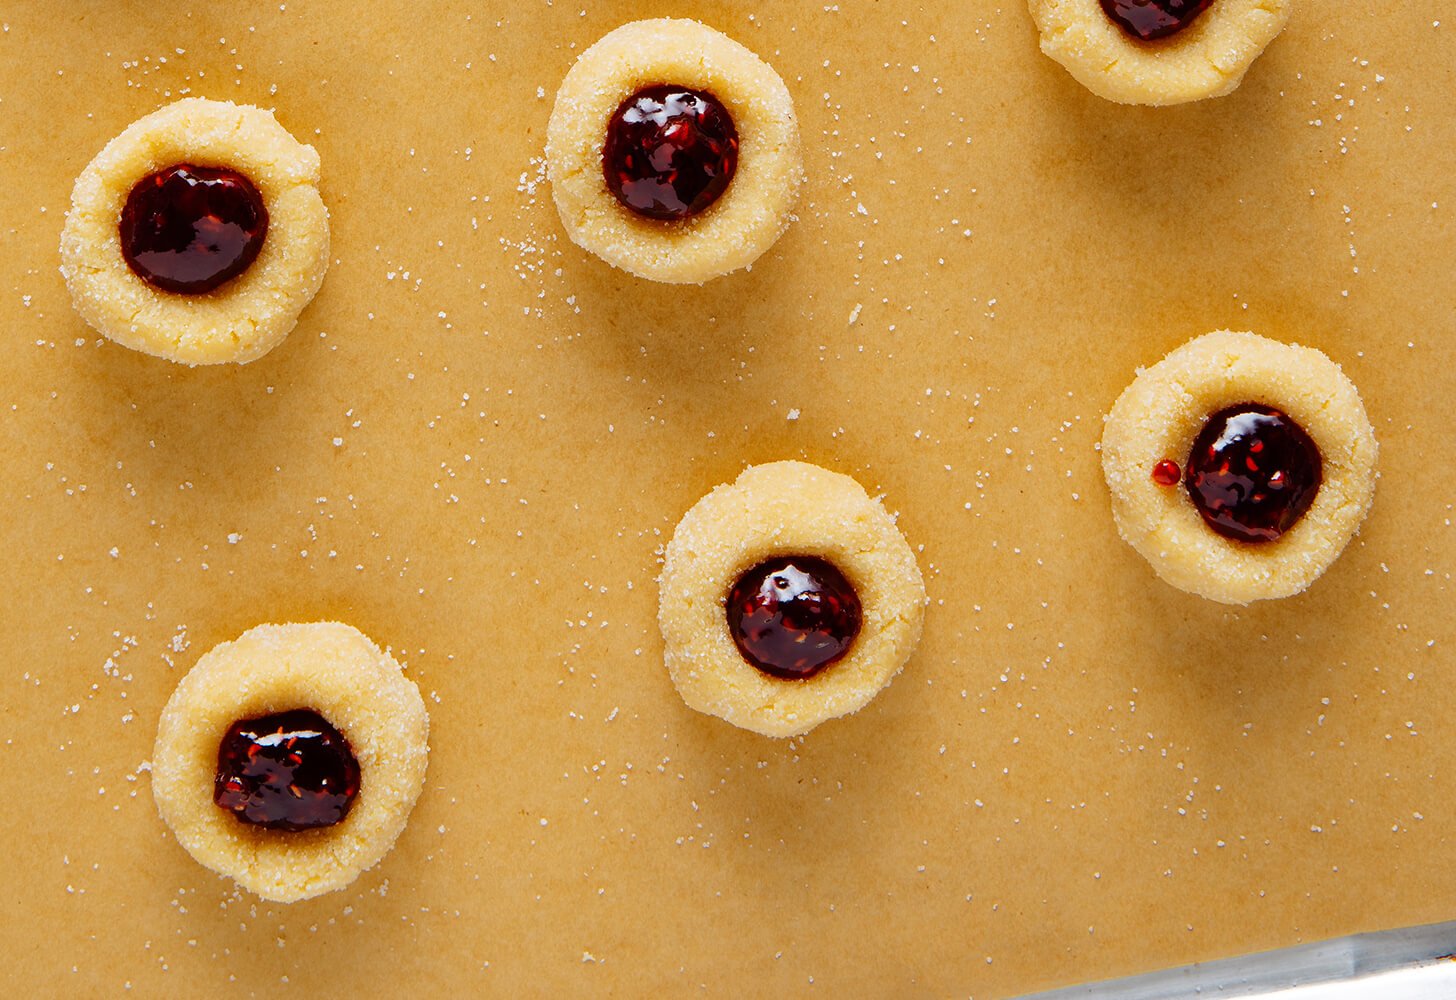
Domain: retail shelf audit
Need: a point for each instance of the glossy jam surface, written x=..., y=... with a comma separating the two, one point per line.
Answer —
x=793, y=616
x=1150, y=19
x=1167, y=473
x=1253, y=472
x=189, y=229
x=287, y=771
x=670, y=152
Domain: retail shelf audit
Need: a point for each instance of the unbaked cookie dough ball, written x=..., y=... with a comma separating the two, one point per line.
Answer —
x=1239, y=466
x=788, y=597
x=673, y=152
x=1158, y=51
x=198, y=234
x=290, y=758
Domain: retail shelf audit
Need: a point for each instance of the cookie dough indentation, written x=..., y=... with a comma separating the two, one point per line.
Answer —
x=771, y=516
x=286, y=771
x=1187, y=55
x=162, y=251
x=670, y=153
x=1253, y=472
x=745, y=165
x=276, y=676
x=1233, y=412
x=793, y=616
x=1150, y=19
x=191, y=229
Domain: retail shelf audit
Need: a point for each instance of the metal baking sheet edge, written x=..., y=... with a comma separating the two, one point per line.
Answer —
x=1404, y=964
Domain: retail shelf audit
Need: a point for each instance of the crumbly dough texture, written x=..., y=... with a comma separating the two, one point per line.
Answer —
x=1207, y=59
x=759, y=203
x=786, y=508
x=1161, y=413
x=246, y=317
x=335, y=670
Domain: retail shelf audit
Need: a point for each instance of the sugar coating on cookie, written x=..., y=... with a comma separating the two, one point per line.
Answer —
x=334, y=670
x=1156, y=421
x=757, y=206
x=251, y=313
x=778, y=509
x=1207, y=59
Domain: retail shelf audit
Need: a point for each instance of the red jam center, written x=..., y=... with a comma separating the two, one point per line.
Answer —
x=1253, y=472
x=793, y=616
x=1150, y=19
x=286, y=771
x=670, y=152
x=190, y=229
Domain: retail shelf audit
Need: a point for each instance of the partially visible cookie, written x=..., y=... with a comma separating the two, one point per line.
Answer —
x=787, y=598
x=289, y=759
x=1240, y=467
x=673, y=152
x=1158, y=51
x=198, y=234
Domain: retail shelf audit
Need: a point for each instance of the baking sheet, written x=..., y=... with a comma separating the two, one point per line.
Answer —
x=478, y=439
x=1410, y=963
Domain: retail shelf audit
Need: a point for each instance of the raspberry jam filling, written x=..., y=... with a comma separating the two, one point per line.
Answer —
x=793, y=616
x=1253, y=472
x=1150, y=19
x=670, y=152
x=189, y=229
x=286, y=771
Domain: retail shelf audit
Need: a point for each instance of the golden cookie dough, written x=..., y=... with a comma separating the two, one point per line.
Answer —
x=338, y=672
x=786, y=508
x=249, y=315
x=745, y=221
x=1160, y=414
x=1206, y=59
